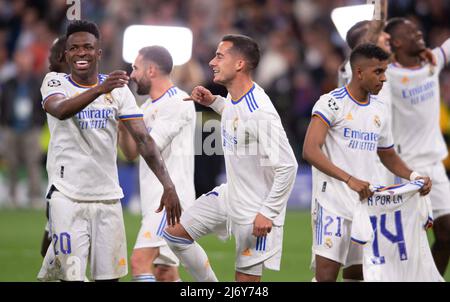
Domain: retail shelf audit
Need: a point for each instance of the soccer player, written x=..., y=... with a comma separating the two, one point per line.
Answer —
x=393, y=223
x=415, y=113
x=83, y=109
x=348, y=128
x=171, y=123
x=260, y=169
x=57, y=64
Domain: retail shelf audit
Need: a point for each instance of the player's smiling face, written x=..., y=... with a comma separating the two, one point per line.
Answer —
x=82, y=53
x=411, y=38
x=224, y=64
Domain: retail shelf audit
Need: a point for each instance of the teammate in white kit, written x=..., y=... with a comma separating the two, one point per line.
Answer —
x=349, y=127
x=415, y=112
x=392, y=227
x=83, y=109
x=171, y=123
x=260, y=168
x=57, y=64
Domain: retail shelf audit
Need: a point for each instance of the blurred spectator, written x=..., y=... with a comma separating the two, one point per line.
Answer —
x=21, y=119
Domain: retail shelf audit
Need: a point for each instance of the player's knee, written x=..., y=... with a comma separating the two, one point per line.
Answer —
x=178, y=231
x=442, y=232
x=176, y=243
x=140, y=261
x=166, y=273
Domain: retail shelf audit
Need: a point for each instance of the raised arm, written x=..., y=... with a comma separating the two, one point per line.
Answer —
x=313, y=154
x=146, y=146
x=63, y=108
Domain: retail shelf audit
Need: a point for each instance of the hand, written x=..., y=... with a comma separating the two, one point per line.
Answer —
x=170, y=201
x=115, y=79
x=202, y=96
x=261, y=225
x=426, y=185
x=428, y=56
x=361, y=187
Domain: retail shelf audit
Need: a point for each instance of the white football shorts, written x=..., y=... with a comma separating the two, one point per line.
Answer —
x=83, y=231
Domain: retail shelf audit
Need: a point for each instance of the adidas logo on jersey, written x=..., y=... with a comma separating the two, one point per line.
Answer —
x=405, y=80
x=247, y=252
x=349, y=117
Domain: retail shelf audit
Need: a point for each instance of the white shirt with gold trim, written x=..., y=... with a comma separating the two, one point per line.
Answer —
x=356, y=132
x=82, y=154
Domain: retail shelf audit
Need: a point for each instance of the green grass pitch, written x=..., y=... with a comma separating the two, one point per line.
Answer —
x=21, y=233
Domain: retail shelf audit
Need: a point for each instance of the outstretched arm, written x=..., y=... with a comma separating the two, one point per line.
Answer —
x=204, y=97
x=149, y=151
x=63, y=108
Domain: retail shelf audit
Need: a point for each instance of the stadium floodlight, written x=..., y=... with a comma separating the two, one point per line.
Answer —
x=177, y=40
x=347, y=16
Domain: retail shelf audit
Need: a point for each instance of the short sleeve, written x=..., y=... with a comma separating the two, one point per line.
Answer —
x=442, y=54
x=386, y=139
x=52, y=84
x=128, y=109
x=327, y=108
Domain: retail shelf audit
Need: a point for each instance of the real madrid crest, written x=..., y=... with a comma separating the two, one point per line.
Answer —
x=153, y=114
x=377, y=121
x=108, y=98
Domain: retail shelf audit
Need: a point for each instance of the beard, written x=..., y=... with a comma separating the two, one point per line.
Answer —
x=143, y=88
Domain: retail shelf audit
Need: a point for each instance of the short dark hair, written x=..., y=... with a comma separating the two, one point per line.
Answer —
x=368, y=51
x=159, y=55
x=82, y=26
x=356, y=33
x=393, y=24
x=245, y=46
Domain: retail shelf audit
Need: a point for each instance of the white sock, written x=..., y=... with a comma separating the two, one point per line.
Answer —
x=192, y=256
x=144, y=278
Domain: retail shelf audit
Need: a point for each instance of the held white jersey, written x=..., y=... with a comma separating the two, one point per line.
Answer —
x=260, y=164
x=392, y=226
x=82, y=154
x=357, y=131
x=415, y=110
x=171, y=123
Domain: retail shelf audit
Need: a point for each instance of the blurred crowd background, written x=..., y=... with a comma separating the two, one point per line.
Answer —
x=301, y=53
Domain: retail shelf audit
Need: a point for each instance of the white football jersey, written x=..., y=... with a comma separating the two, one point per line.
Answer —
x=357, y=131
x=415, y=110
x=82, y=154
x=171, y=123
x=260, y=164
x=392, y=226
x=383, y=175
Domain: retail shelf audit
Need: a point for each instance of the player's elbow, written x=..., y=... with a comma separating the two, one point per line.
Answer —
x=59, y=112
x=307, y=153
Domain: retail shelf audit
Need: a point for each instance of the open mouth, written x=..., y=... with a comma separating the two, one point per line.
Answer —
x=81, y=64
